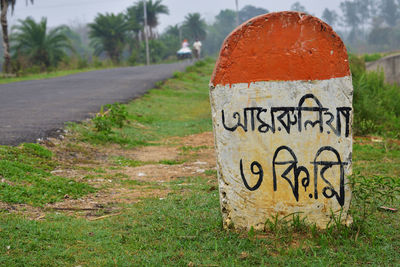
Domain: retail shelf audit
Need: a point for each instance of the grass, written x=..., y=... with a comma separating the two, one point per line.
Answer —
x=25, y=177
x=185, y=227
x=376, y=104
x=178, y=107
x=45, y=75
x=186, y=230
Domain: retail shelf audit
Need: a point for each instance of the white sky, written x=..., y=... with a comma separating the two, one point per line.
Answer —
x=84, y=11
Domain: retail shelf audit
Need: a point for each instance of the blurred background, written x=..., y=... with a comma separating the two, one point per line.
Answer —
x=100, y=33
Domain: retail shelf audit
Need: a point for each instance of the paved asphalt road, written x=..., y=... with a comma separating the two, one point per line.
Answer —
x=36, y=109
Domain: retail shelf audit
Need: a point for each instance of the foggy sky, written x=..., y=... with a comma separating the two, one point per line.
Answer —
x=84, y=11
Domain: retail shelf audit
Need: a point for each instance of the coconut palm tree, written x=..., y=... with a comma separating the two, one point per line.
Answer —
x=5, y=4
x=109, y=34
x=194, y=27
x=154, y=9
x=38, y=44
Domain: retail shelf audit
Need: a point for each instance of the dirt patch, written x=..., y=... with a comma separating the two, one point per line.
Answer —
x=118, y=184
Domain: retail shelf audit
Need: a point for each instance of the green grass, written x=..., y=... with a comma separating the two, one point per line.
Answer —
x=171, y=162
x=372, y=57
x=25, y=177
x=126, y=162
x=186, y=229
x=177, y=107
x=41, y=76
x=376, y=104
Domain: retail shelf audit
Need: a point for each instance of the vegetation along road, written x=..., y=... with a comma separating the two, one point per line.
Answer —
x=34, y=109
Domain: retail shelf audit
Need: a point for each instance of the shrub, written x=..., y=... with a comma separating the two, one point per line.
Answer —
x=376, y=104
x=372, y=57
x=115, y=117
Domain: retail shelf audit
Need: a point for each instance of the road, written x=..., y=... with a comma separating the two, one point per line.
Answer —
x=36, y=109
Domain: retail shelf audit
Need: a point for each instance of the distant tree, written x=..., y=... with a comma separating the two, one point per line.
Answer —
x=171, y=40
x=135, y=15
x=385, y=38
x=298, y=7
x=330, y=16
x=173, y=30
x=153, y=10
x=109, y=34
x=389, y=11
x=134, y=18
x=5, y=4
x=364, y=11
x=350, y=16
x=80, y=48
x=194, y=27
x=225, y=22
x=38, y=44
x=249, y=11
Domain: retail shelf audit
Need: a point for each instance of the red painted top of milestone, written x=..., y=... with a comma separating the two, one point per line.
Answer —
x=283, y=46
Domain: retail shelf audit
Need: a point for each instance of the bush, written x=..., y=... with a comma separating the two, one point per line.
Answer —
x=132, y=58
x=115, y=117
x=97, y=63
x=376, y=104
x=372, y=57
x=82, y=63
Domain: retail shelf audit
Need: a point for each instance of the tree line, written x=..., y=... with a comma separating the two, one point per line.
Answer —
x=114, y=39
x=367, y=25
x=118, y=39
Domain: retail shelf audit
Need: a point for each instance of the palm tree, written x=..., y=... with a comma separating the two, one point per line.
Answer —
x=38, y=44
x=109, y=34
x=154, y=9
x=5, y=4
x=194, y=27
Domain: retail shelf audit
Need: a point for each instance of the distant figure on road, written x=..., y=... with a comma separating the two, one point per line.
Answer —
x=185, y=51
x=197, y=49
x=185, y=44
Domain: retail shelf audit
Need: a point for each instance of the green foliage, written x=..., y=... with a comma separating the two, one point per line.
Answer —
x=154, y=9
x=126, y=162
x=376, y=104
x=82, y=63
x=224, y=23
x=26, y=178
x=96, y=62
x=116, y=116
x=179, y=107
x=194, y=27
x=171, y=40
x=109, y=34
x=371, y=192
x=185, y=229
x=384, y=38
x=132, y=58
x=37, y=150
x=77, y=37
x=171, y=162
x=372, y=57
x=40, y=46
x=375, y=182
x=389, y=11
x=157, y=49
x=249, y=11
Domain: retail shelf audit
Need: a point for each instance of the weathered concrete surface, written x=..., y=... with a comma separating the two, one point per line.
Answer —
x=390, y=65
x=282, y=116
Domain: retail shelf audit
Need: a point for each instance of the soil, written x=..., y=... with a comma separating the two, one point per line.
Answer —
x=120, y=184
